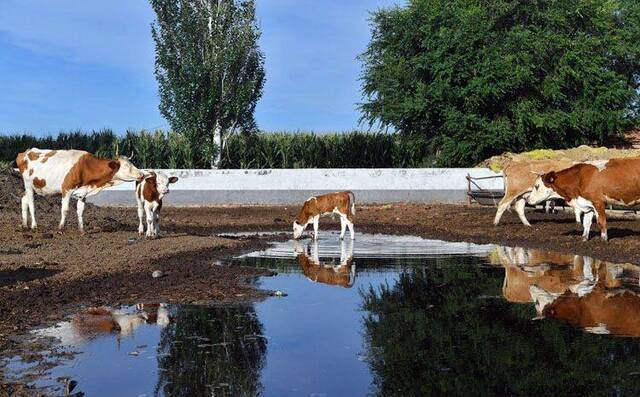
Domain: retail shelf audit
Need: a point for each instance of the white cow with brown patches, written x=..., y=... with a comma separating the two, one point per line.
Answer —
x=149, y=194
x=520, y=176
x=340, y=203
x=71, y=173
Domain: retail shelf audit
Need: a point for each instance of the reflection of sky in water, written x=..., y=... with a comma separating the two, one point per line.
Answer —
x=317, y=336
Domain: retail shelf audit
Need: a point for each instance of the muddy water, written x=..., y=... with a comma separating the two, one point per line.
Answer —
x=382, y=315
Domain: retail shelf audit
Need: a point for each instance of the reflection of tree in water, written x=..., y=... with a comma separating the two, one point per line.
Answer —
x=211, y=351
x=441, y=331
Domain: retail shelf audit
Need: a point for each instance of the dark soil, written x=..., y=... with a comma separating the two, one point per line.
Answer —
x=43, y=275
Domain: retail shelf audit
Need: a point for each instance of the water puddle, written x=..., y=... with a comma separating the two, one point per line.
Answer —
x=382, y=315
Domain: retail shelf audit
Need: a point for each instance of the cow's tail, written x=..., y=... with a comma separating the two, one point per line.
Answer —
x=352, y=199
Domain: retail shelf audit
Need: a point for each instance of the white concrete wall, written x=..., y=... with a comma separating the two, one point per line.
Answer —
x=284, y=186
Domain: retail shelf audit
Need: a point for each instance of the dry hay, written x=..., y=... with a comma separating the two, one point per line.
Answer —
x=581, y=153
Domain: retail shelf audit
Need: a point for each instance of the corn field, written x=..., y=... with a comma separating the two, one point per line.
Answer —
x=167, y=149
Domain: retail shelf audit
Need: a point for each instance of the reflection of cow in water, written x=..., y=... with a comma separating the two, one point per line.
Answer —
x=597, y=296
x=600, y=311
x=98, y=320
x=343, y=274
x=552, y=271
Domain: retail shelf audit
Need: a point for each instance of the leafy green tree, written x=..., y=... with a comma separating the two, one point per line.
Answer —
x=209, y=68
x=478, y=77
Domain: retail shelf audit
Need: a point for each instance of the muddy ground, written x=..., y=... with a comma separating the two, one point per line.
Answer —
x=43, y=275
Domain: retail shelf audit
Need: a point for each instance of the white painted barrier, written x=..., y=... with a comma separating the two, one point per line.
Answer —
x=284, y=186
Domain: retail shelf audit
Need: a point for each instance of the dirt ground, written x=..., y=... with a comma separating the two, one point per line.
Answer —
x=43, y=274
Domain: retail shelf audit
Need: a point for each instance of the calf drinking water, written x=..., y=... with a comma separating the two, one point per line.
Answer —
x=341, y=203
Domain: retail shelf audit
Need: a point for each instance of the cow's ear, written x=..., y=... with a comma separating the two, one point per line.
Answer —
x=549, y=177
x=114, y=165
x=173, y=179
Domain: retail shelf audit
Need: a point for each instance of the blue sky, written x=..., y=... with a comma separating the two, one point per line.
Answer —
x=69, y=64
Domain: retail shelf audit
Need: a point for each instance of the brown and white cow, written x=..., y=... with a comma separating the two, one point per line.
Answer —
x=590, y=188
x=341, y=203
x=520, y=177
x=149, y=194
x=70, y=173
x=343, y=275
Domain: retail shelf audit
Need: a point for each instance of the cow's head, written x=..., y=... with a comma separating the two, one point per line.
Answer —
x=298, y=229
x=163, y=182
x=125, y=170
x=542, y=298
x=543, y=188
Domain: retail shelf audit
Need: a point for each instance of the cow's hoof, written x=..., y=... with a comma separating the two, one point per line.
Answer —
x=60, y=232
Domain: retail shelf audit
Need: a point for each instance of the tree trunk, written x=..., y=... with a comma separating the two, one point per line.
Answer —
x=217, y=143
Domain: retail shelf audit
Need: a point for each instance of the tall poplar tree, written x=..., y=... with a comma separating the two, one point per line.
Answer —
x=209, y=68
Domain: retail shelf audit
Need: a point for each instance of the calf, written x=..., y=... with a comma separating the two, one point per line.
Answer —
x=589, y=188
x=149, y=194
x=341, y=203
x=520, y=176
x=70, y=173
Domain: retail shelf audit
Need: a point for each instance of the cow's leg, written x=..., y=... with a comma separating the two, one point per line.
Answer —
x=80, y=211
x=32, y=207
x=140, y=217
x=601, y=217
x=586, y=224
x=519, y=207
x=150, y=226
x=549, y=206
x=504, y=204
x=316, y=224
x=25, y=211
x=156, y=221
x=577, y=212
x=350, y=225
x=343, y=225
x=64, y=210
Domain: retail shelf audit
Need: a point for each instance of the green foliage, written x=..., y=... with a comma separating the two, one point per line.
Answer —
x=162, y=149
x=209, y=68
x=338, y=150
x=478, y=78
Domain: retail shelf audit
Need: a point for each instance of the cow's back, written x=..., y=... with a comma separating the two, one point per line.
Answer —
x=521, y=175
x=46, y=169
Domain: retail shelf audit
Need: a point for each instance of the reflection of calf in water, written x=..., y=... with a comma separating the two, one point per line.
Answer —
x=597, y=296
x=343, y=274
